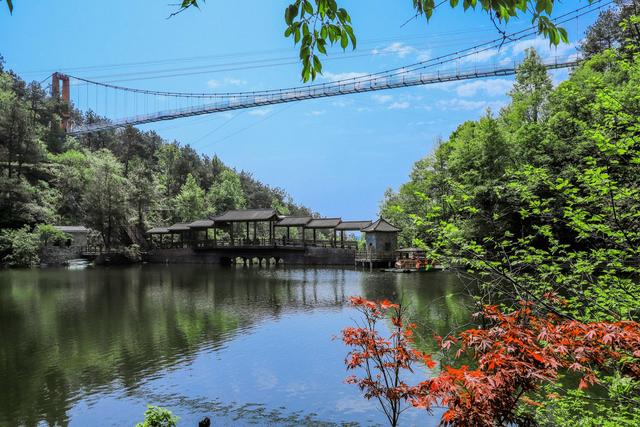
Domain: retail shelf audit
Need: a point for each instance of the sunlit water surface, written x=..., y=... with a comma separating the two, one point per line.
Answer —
x=244, y=346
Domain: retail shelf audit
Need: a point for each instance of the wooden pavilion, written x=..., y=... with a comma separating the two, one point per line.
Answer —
x=158, y=231
x=325, y=224
x=298, y=222
x=350, y=226
x=180, y=229
x=232, y=220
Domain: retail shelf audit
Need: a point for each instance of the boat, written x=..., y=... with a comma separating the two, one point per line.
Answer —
x=409, y=260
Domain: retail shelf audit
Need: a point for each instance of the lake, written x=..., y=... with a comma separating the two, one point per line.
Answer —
x=244, y=346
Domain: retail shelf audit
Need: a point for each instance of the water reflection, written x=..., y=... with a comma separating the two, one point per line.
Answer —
x=242, y=345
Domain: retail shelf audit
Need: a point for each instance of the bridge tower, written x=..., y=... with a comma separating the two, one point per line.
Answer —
x=56, y=79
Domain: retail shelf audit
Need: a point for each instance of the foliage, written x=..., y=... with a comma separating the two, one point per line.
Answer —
x=514, y=355
x=118, y=182
x=105, y=201
x=382, y=359
x=20, y=247
x=133, y=253
x=156, y=416
x=608, y=32
x=189, y=203
x=50, y=235
x=226, y=193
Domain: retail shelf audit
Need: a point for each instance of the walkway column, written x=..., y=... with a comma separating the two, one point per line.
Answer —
x=247, y=229
x=215, y=240
x=255, y=234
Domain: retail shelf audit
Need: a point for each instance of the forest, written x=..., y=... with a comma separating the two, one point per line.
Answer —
x=539, y=203
x=118, y=182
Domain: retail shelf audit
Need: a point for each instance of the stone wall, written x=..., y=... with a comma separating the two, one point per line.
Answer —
x=329, y=256
x=59, y=255
x=310, y=256
x=181, y=256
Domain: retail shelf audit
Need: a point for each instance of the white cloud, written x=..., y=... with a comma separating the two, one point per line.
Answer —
x=316, y=113
x=545, y=50
x=402, y=50
x=235, y=82
x=399, y=105
x=260, y=111
x=493, y=87
x=424, y=55
x=479, y=57
x=342, y=76
x=467, y=105
x=342, y=103
x=381, y=99
x=228, y=81
x=398, y=49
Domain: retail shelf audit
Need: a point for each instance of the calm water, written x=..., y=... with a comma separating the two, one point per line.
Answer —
x=243, y=346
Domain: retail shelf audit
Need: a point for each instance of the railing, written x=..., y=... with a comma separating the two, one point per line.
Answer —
x=282, y=242
x=99, y=249
x=364, y=84
x=368, y=255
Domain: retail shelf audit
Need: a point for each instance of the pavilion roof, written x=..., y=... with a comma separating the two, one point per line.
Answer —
x=353, y=225
x=158, y=230
x=201, y=223
x=71, y=228
x=293, y=221
x=249, y=215
x=178, y=227
x=382, y=226
x=323, y=223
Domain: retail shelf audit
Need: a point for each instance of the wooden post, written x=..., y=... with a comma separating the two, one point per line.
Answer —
x=342, y=238
x=247, y=229
x=215, y=240
x=255, y=233
x=334, y=238
x=314, y=236
x=231, y=233
x=288, y=233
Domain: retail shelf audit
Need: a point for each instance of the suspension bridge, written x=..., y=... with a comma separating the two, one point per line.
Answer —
x=116, y=106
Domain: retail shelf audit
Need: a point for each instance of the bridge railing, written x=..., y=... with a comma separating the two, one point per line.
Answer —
x=259, y=242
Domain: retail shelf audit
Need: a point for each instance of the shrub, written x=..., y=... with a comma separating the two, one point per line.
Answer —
x=20, y=248
x=155, y=416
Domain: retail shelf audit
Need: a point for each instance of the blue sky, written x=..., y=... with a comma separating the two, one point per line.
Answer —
x=335, y=155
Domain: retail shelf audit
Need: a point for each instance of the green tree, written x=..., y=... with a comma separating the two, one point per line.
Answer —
x=226, y=193
x=145, y=192
x=20, y=247
x=189, y=203
x=105, y=203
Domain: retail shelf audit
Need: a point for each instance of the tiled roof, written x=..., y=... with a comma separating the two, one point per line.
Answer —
x=72, y=228
x=178, y=227
x=158, y=230
x=353, y=225
x=381, y=226
x=293, y=221
x=247, y=215
x=323, y=223
x=201, y=223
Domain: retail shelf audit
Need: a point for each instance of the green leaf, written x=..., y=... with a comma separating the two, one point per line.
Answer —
x=344, y=40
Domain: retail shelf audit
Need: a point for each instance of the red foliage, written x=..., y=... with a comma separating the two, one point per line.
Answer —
x=515, y=355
